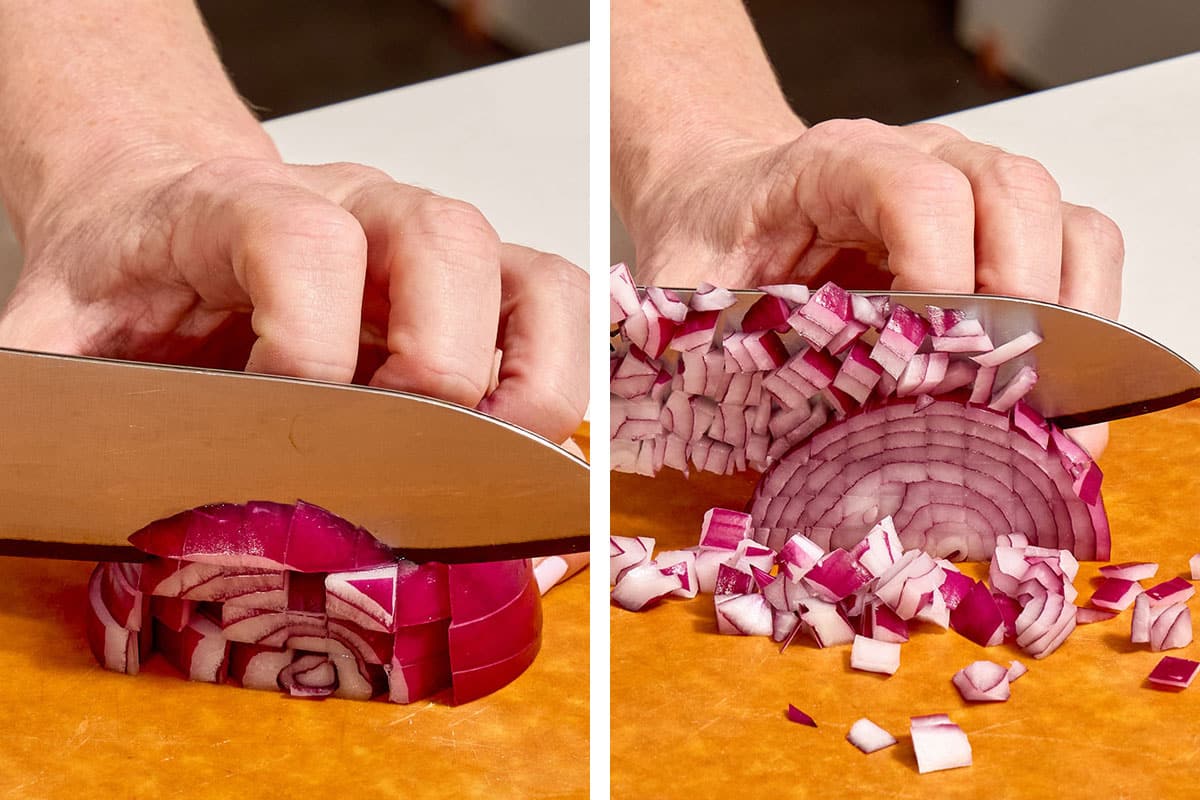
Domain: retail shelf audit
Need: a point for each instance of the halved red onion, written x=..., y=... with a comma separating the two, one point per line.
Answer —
x=172, y=612
x=258, y=666
x=194, y=580
x=875, y=655
x=796, y=715
x=953, y=478
x=309, y=675
x=1174, y=673
x=939, y=745
x=869, y=737
x=983, y=682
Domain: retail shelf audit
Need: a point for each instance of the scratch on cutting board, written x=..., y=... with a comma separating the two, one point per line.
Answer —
x=1142, y=752
x=461, y=720
x=424, y=707
x=144, y=391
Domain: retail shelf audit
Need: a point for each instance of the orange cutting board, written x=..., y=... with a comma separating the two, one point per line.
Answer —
x=69, y=729
x=700, y=715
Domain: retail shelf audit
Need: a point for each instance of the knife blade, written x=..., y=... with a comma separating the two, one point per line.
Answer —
x=1090, y=369
x=93, y=449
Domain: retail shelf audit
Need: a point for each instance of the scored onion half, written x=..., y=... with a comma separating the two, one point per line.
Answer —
x=293, y=598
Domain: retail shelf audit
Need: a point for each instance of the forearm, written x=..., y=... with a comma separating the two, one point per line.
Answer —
x=686, y=73
x=96, y=86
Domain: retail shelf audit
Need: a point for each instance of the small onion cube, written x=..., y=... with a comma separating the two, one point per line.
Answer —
x=622, y=293
x=626, y=552
x=643, y=585
x=724, y=528
x=1015, y=670
x=875, y=655
x=1174, y=673
x=798, y=555
x=1176, y=590
x=1130, y=570
x=836, y=576
x=869, y=737
x=1009, y=350
x=983, y=682
x=938, y=746
x=711, y=298
x=1115, y=594
x=744, y=615
x=1086, y=616
x=1194, y=566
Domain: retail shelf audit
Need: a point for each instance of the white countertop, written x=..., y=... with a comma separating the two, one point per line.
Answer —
x=511, y=138
x=1127, y=144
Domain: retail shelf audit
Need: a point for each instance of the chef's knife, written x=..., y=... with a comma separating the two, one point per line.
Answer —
x=1090, y=369
x=93, y=449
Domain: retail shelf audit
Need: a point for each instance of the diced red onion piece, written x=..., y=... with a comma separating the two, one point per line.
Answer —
x=1174, y=673
x=1015, y=670
x=826, y=624
x=642, y=585
x=875, y=655
x=1009, y=350
x=199, y=651
x=978, y=617
x=744, y=615
x=1175, y=590
x=1086, y=616
x=622, y=293
x=627, y=552
x=879, y=549
x=983, y=682
x=795, y=293
x=733, y=578
x=1019, y=385
x=115, y=647
x=835, y=576
x=796, y=715
x=1130, y=570
x=1194, y=566
x=869, y=737
x=365, y=597
x=1115, y=594
x=724, y=528
x=880, y=622
x=711, y=298
x=939, y=746
x=681, y=563
x=767, y=313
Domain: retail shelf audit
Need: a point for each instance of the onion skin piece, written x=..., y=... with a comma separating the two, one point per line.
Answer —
x=796, y=715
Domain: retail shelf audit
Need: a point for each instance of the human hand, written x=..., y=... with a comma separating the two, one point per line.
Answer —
x=326, y=272
x=918, y=208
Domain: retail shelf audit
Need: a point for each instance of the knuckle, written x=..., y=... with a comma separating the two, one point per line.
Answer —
x=455, y=220
x=1025, y=179
x=1101, y=230
x=937, y=132
x=842, y=131
x=933, y=184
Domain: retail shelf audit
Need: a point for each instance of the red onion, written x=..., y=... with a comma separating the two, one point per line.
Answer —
x=1009, y=350
x=744, y=615
x=796, y=715
x=1115, y=594
x=875, y=655
x=622, y=292
x=939, y=743
x=1130, y=570
x=1175, y=590
x=626, y=552
x=1174, y=673
x=869, y=737
x=314, y=608
x=642, y=585
x=983, y=682
x=1194, y=566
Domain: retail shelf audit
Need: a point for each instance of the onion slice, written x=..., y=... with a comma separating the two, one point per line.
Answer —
x=939, y=745
x=869, y=737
